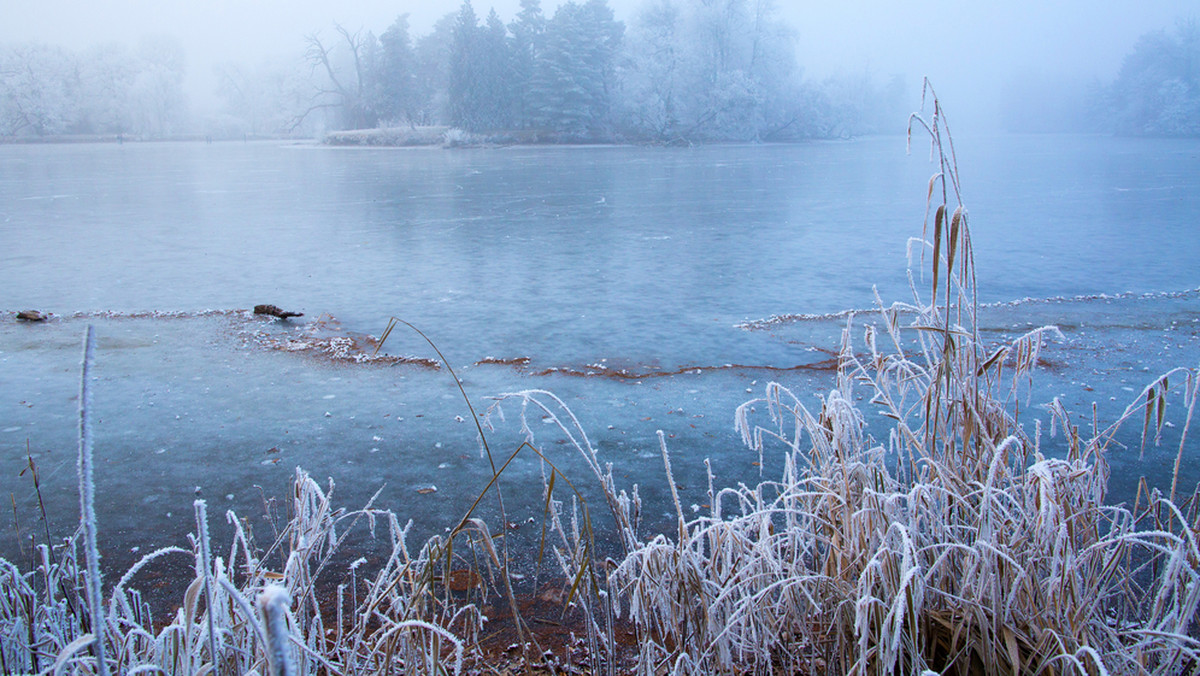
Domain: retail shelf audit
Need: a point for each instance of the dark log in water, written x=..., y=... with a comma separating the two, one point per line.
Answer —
x=275, y=311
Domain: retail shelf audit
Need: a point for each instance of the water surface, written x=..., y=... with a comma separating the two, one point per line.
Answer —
x=606, y=259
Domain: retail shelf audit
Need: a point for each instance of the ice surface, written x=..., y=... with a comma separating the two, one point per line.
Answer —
x=629, y=309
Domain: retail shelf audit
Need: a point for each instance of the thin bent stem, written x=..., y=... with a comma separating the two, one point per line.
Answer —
x=87, y=500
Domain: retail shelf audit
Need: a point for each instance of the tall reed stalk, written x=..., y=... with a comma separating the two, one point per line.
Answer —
x=87, y=502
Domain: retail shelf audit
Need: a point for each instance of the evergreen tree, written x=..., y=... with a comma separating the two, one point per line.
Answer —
x=494, y=75
x=463, y=91
x=525, y=48
x=480, y=84
x=573, y=79
x=1157, y=91
x=602, y=38
x=432, y=56
x=396, y=92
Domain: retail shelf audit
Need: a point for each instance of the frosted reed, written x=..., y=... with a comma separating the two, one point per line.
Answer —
x=273, y=603
x=204, y=572
x=87, y=501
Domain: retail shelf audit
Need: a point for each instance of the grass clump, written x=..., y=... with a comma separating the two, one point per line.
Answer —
x=952, y=543
x=255, y=611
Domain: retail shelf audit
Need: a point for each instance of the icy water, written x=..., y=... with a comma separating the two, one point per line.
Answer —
x=616, y=278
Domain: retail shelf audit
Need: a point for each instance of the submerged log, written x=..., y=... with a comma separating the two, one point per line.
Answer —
x=275, y=311
x=32, y=316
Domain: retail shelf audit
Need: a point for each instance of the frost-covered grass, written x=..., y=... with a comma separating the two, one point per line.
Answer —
x=953, y=539
x=394, y=136
x=950, y=543
x=241, y=615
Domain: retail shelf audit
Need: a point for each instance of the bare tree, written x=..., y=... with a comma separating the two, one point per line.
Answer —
x=341, y=77
x=266, y=98
x=38, y=85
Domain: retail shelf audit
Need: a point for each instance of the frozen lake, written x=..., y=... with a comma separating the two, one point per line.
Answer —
x=575, y=259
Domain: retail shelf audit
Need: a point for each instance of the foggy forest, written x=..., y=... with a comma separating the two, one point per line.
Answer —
x=671, y=72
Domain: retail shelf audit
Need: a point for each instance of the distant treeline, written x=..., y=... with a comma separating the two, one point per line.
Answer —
x=677, y=72
x=109, y=89
x=680, y=71
x=1155, y=93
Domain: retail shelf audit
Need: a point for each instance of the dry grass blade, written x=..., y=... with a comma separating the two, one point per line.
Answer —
x=87, y=501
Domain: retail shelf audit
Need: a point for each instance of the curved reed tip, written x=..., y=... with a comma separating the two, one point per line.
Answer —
x=273, y=603
x=274, y=598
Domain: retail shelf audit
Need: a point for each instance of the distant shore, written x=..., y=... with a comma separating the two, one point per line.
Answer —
x=133, y=138
x=391, y=137
x=450, y=137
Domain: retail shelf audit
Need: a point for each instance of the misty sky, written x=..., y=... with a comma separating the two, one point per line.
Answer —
x=969, y=49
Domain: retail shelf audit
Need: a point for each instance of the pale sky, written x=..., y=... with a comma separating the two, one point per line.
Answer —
x=967, y=48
